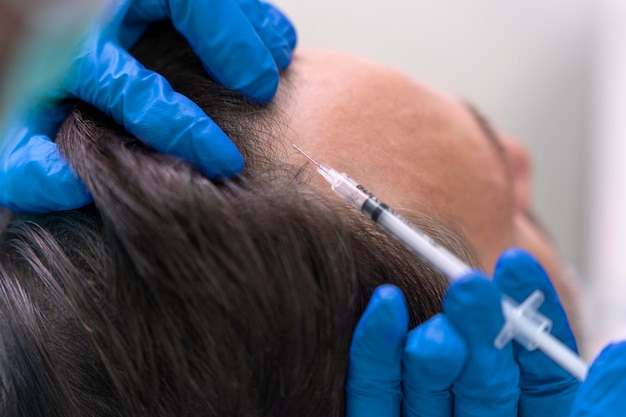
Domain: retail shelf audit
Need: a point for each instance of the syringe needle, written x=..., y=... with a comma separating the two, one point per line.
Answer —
x=297, y=148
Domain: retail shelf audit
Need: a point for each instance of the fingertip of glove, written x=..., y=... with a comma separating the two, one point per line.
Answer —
x=474, y=301
x=518, y=273
x=516, y=258
x=283, y=38
x=386, y=313
x=32, y=188
x=435, y=351
x=468, y=291
x=615, y=351
x=471, y=291
x=282, y=25
x=262, y=88
x=283, y=57
x=608, y=368
x=211, y=151
x=228, y=167
x=388, y=292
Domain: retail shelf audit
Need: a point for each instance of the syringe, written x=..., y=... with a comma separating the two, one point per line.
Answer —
x=522, y=322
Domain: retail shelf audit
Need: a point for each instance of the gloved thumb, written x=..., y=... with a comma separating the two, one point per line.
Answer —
x=604, y=390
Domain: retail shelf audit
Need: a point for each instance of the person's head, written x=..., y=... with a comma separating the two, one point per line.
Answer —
x=177, y=296
x=419, y=150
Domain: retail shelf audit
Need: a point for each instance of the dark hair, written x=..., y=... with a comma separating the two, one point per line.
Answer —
x=176, y=296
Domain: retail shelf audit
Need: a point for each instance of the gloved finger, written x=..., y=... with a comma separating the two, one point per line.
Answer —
x=489, y=383
x=603, y=391
x=375, y=368
x=273, y=27
x=223, y=38
x=546, y=388
x=137, y=98
x=35, y=178
x=434, y=356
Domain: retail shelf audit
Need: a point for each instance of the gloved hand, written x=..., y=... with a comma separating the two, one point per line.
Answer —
x=375, y=369
x=450, y=366
x=603, y=393
x=242, y=44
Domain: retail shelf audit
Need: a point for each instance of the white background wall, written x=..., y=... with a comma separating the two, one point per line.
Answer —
x=529, y=65
x=605, y=296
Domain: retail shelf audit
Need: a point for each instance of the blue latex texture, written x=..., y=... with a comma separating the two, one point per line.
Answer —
x=449, y=364
x=242, y=44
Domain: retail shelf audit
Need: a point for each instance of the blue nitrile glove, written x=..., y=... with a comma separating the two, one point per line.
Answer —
x=434, y=356
x=488, y=384
x=242, y=44
x=451, y=367
x=546, y=388
x=603, y=393
x=375, y=368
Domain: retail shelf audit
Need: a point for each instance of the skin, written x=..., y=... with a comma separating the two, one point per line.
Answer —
x=419, y=150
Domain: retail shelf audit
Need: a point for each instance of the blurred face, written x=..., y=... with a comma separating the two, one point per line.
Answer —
x=419, y=150
x=10, y=27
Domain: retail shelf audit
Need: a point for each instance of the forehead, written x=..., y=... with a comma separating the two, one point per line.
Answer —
x=374, y=121
x=416, y=148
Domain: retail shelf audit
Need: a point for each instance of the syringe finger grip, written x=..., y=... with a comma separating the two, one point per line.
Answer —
x=523, y=322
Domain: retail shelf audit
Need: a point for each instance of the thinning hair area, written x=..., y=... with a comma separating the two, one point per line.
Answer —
x=172, y=295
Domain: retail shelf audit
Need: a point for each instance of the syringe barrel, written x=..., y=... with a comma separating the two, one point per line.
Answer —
x=422, y=245
x=418, y=242
x=345, y=186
